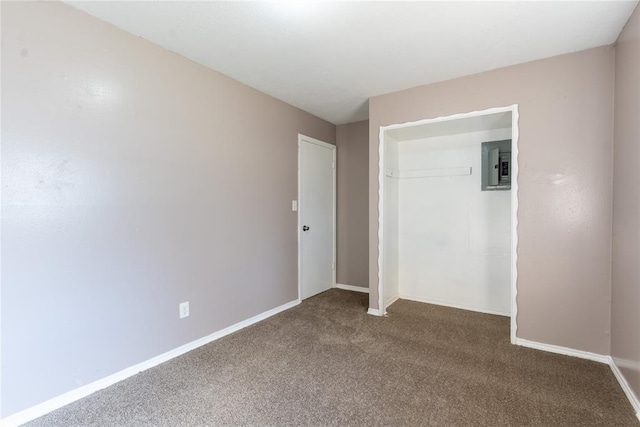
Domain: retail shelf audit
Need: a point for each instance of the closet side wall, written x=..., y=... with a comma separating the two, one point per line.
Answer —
x=391, y=272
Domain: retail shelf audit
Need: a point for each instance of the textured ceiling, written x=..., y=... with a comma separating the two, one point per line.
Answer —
x=328, y=58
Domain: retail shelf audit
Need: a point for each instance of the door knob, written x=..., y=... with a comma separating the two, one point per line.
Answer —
x=305, y=228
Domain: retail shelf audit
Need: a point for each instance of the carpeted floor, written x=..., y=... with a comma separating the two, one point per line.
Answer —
x=326, y=362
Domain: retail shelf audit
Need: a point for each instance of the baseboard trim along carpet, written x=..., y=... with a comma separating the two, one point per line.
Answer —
x=374, y=312
x=352, y=288
x=563, y=350
x=84, y=391
x=392, y=300
x=625, y=387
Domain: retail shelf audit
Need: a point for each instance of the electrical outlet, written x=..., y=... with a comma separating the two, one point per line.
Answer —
x=184, y=309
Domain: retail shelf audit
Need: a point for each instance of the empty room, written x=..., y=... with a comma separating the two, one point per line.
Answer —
x=314, y=213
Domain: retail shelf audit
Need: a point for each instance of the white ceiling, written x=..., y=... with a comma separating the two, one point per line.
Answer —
x=328, y=58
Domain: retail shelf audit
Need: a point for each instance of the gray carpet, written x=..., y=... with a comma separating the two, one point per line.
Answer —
x=326, y=362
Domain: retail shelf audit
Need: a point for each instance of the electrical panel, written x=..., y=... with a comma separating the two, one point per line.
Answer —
x=496, y=165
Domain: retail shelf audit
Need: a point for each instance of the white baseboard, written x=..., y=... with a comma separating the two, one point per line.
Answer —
x=84, y=391
x=352, y=288
x=391, y=301
x=563, y=350
x=374, y=312
x=625, y=387
x=447, y=304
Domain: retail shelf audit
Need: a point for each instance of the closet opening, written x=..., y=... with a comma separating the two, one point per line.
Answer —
x=447, y=213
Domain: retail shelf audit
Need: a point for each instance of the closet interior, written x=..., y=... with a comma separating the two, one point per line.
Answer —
x=446, y=208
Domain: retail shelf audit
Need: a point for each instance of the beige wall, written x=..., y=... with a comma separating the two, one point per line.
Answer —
x=566, y=129
x=625, y=289
x=133, y=179
x=352, y=141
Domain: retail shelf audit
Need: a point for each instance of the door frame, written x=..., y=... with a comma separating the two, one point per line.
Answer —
x=514, y=202
x=303, y=138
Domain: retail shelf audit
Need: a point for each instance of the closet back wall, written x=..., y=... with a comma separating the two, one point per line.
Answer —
x=454, y=239
x=133, y=180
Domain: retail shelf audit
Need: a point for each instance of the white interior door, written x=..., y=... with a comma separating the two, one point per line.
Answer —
x=316, y=216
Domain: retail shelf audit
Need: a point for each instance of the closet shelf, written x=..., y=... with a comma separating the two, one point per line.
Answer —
x=428, y=173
